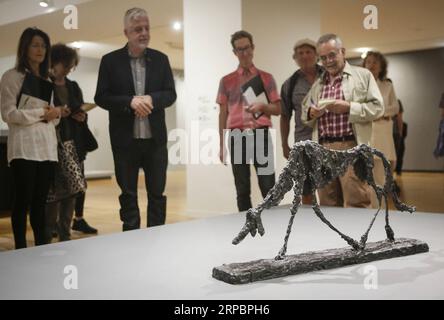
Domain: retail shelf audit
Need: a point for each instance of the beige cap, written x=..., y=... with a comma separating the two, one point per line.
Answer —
x=305, y=42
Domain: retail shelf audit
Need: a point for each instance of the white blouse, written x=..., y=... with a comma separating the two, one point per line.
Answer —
x=382, y=133
x=29, y=137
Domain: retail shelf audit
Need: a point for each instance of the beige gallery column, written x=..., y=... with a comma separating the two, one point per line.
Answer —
x=208, y=25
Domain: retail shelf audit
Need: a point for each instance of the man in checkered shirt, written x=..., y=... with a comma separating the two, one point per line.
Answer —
x=341, y=106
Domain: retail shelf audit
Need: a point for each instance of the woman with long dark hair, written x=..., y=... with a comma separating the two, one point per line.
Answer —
x=32, y=144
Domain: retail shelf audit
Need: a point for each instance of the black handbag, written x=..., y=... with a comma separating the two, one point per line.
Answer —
x=89, y=140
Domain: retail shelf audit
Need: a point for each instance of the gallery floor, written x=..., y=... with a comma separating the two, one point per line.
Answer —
x=424, y=190
x=175, y=261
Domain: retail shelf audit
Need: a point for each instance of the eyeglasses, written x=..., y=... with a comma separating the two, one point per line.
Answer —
x=331, y=56
x=242, y=50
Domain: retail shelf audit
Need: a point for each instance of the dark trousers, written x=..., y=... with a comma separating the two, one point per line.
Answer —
x=31, y=180
x=79, y=205
x=248, y=147
x=400, y=150
x=153, y=159
x=58, y=216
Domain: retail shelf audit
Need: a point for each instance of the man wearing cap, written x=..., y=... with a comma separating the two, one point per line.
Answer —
x=293, y=91
x=340, y=107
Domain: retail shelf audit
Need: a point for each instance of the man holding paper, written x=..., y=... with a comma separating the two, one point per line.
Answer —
x=247, y=98
x=341, y=106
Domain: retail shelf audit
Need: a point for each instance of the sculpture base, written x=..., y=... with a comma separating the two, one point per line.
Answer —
x=239, y=273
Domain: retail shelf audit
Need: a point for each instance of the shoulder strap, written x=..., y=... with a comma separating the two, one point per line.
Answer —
x=36, y=87
x=293, y=80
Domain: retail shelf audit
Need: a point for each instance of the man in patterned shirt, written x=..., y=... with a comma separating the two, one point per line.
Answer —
x=249, y=137
x=341, y=106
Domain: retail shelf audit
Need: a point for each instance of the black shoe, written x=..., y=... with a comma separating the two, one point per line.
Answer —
x=82, y=226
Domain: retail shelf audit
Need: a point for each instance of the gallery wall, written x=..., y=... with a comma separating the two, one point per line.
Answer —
x=418, y=78
x=6, y=63
x=100, y=162
x=276, y=28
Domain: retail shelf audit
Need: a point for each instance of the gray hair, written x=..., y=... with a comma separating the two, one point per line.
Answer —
x=330, y=36
x=133, y=14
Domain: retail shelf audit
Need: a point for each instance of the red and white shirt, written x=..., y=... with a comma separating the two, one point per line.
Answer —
x=230, y=93
x=331, y=124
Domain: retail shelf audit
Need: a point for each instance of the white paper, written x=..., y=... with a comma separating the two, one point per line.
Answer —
x=325, y=102
x=251, y=97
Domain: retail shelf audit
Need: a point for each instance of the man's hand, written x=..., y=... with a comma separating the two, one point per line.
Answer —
x=79, y=116
x=142, y=105
x=148, y=99
x=339, y=107
x=286, y=150
x=315, y=112
x=223, y=155
x=256, y=108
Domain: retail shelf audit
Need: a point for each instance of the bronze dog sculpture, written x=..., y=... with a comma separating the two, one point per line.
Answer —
x=310, y=167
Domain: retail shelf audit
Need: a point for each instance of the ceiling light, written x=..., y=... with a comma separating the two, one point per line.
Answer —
x=46, y=3
x=363, y=51
x=177, y=26
x=76, y=44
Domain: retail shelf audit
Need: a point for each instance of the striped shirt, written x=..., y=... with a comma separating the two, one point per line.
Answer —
x=142, y=128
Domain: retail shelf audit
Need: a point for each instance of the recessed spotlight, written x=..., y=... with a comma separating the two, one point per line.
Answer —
x=76, y=45
x=363, y=51
x=177, y=26
x=46, y=3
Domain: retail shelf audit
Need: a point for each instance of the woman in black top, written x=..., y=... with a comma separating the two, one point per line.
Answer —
x=72, y=126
